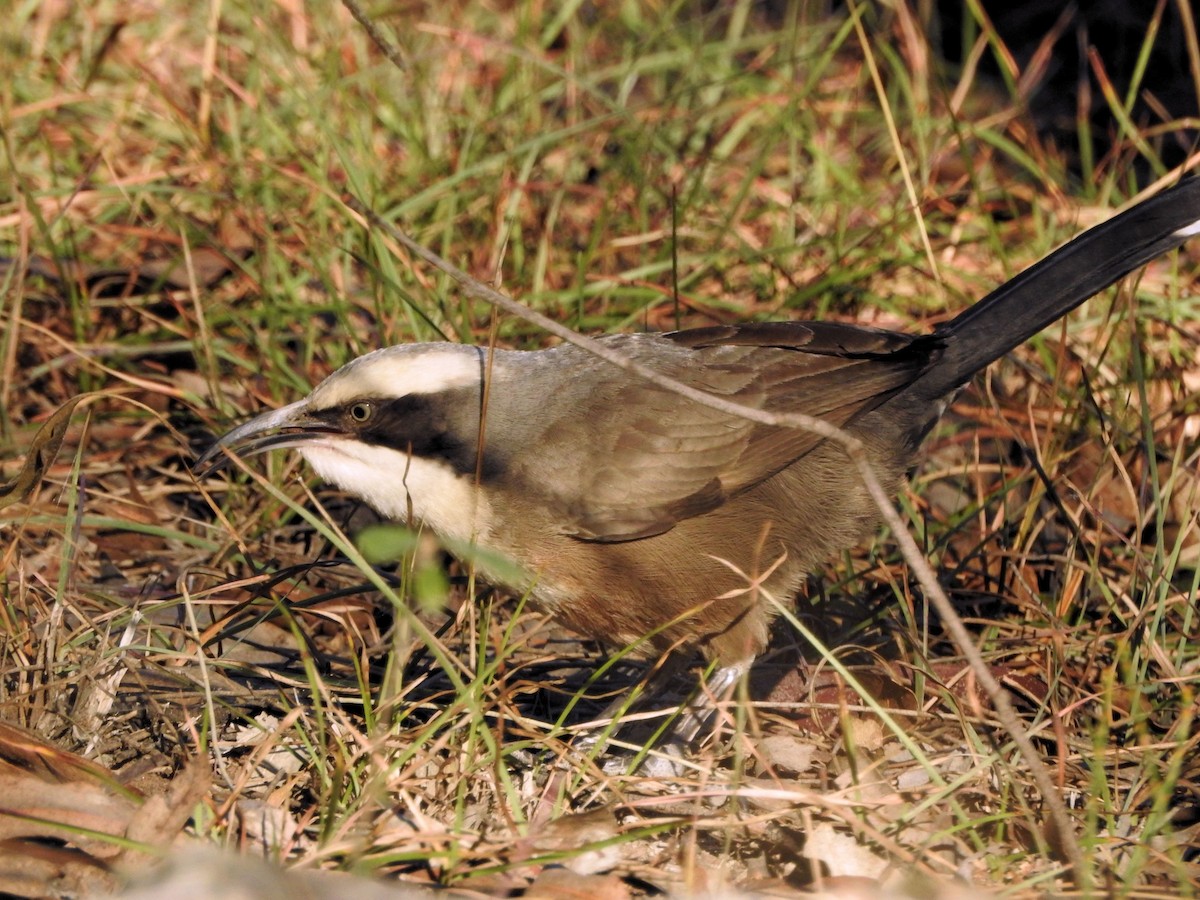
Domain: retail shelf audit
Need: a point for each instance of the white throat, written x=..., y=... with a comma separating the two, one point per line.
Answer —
x=398, y=486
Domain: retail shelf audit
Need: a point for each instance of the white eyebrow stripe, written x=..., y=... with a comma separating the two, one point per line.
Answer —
x=401, y=371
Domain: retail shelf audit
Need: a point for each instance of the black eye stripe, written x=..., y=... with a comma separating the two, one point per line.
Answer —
x=443, y=427
x=402, y=423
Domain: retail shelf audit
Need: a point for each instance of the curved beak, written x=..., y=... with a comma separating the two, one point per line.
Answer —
x=276, y=429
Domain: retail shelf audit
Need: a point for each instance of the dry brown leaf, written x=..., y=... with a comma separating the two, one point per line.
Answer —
x=208, y=873
x=21, y=750
x=571, y=833
x=841, y=854
x=31, y=869
x=208, y=265
x=42, y=451
x=50, y=795
x=788, y=752
x=563, y=884
x=161, y=818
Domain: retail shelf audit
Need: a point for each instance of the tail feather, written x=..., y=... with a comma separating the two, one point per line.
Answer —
x=1049, y=289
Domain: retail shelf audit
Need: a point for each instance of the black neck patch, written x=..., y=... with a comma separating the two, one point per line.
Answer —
x=440, y=427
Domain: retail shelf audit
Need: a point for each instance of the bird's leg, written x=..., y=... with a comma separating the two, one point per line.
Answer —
x=609, y=722
x=698, y=711
x=677, y=737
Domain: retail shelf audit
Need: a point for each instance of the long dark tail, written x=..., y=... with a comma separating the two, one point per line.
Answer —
x=1051, y=288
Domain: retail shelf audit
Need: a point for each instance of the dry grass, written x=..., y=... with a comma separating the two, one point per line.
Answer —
x=172, y=220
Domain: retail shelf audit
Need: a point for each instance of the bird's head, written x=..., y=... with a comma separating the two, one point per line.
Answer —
x=398, y=427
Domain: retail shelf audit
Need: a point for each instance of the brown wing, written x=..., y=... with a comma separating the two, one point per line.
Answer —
x=632, y=459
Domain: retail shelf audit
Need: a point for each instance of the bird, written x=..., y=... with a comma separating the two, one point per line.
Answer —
x=635, y=515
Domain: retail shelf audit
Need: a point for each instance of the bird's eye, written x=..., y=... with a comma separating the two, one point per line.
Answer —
x=361, y=411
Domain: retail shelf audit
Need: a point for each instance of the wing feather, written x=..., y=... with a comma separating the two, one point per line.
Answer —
x=652, y=458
